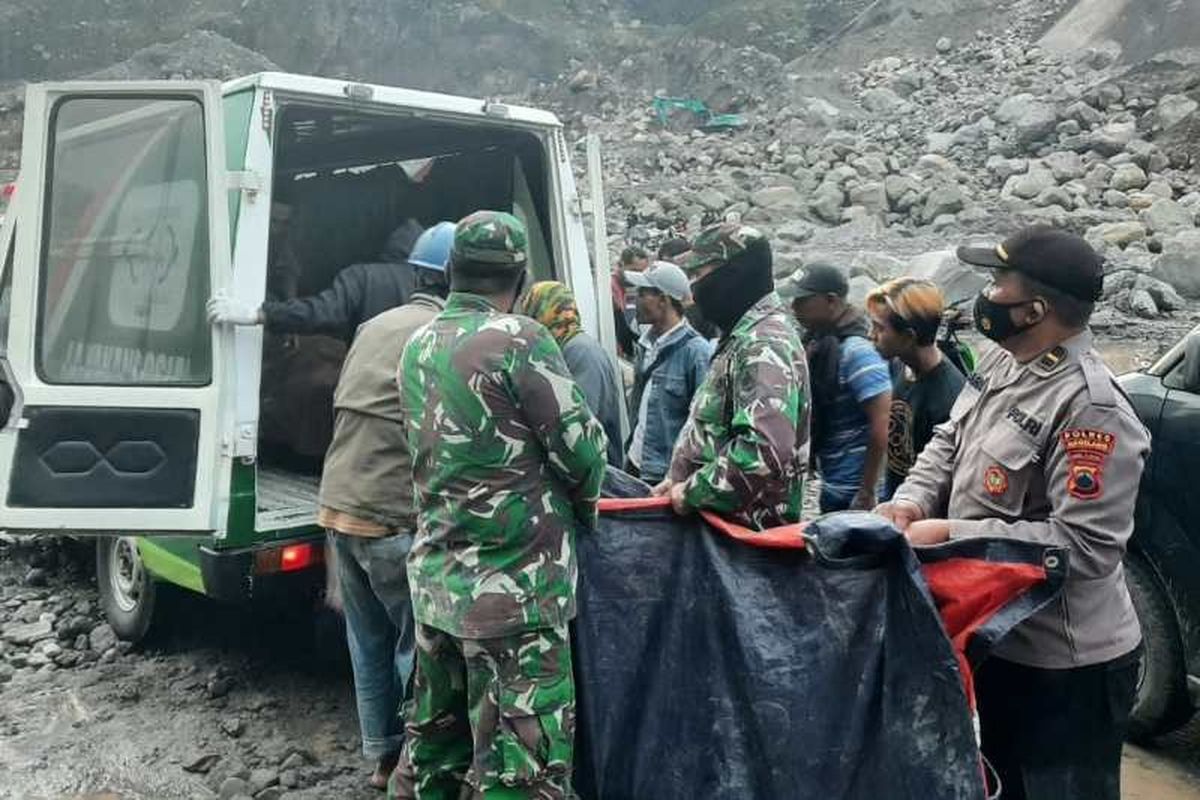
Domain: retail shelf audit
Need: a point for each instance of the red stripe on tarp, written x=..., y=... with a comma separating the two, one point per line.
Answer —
x=968, y=592
x=787, y=537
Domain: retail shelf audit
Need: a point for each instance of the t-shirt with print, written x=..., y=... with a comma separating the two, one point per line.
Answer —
x=918, y=406
x=862, y=375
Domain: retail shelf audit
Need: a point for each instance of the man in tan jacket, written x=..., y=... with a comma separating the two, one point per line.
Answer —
x=1042, y=446
x=367, y=505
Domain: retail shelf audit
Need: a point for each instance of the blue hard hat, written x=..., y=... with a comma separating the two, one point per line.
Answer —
x=432, y=249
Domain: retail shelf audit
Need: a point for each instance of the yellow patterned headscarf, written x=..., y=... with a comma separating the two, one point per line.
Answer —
x=552, y=304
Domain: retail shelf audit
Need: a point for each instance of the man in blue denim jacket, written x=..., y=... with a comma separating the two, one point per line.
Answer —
x=671, y=362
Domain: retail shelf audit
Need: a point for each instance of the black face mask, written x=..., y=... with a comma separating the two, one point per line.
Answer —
x=993, y=320
x=725, y=294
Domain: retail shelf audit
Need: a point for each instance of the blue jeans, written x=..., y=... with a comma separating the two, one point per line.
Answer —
x=831, y=499
x=379, y=631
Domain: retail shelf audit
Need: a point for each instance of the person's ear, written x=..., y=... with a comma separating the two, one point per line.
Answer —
x=1037, y=311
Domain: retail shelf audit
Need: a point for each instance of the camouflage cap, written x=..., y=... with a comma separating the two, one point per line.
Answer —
x=719, y=243
x=491, y=237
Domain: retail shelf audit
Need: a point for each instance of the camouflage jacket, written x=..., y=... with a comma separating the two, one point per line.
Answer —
x=744, y=449
x=507, y=461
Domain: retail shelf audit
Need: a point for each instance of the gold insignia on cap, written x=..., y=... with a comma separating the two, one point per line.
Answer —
x=1000, y=251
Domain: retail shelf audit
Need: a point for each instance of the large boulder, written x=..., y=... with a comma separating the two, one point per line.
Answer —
x=958, y=281
x=899, y=187
x=1030, y=119
x=1066, y=165
x=870, y=196
x=1127, y=177
x=779, y=198
x=945, y=199
x=826, y=203
x=1030, y=185
x=1167, y=216
x=1174, y=109
x=881, y=100
x=1116, y=234
x=1179, y=264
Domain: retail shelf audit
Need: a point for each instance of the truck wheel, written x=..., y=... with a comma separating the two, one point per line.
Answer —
x=1162, y=703
x=128, y=594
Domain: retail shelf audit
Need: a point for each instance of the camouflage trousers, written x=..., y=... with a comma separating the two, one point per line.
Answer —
x=489, y=719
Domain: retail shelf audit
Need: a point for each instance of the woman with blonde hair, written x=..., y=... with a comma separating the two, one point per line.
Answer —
x=904, y=316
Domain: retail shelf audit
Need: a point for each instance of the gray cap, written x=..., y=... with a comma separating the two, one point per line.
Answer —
x=664, y=276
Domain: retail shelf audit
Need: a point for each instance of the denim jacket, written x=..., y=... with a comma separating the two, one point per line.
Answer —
x=672, y=380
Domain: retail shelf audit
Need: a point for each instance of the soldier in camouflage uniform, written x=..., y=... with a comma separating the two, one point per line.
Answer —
x=744, y=450
x=507, y=464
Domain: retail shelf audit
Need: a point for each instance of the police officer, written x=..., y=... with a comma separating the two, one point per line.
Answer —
x=1042, y=446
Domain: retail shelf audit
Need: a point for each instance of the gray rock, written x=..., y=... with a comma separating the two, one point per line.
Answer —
x=860, y=287
x=233, y=727
x=1174, y=109
x=897, y=186
x=945, y=199
x=270, y=793
x=795, y=231
x=1084, y=114
x=1167, y=216
x=1054, y=196
x=1005, y=168
x=1179, y=264
x=36, y=576
x=712, y=199
x=261, y=779
x=944, y=45
x=1127, y=177
x=26, y=633
x=102, y=638
x=1069, y=127
x=1114, y=199
x=1140, y=303
x=1098, y=176
x=871, y=196
x=289, y=779
x=232, y=787
x=956, y=280
x=1161, y=189
x=294, y=761
x=1106, y=95
x=1030, y=119
x=1065, y=165
x=778, y=197
x=1113, y=138
x=881, y=100
x=1029, y=185
x=1118, y=234
x=826, y=204
x=939, y=142
x=1190, y=200
x=6, y=672
x=201, y=764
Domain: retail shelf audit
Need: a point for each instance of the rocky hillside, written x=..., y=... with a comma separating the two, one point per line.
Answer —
x=876, y=130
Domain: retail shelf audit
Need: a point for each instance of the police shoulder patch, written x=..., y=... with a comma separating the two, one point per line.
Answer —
x=1087, y=450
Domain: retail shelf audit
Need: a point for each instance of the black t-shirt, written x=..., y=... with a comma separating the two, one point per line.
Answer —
x=917, y=407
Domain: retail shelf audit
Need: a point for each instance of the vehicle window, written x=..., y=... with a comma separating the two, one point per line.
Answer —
x=1185, y=375
x=125, y=261
x=540, y=262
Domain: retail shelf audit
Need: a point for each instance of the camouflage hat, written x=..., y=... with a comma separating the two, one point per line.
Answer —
x=491, y=237
x=719, y=243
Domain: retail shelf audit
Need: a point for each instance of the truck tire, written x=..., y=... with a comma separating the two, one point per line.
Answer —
x=128, y=593
x=1162, y=702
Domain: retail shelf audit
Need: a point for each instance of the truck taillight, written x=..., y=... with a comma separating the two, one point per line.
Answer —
x=290, y=558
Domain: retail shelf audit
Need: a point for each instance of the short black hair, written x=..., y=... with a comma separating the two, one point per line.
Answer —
x=634, y=253
x=673, y=247
x=431, y=281
x=477, y=277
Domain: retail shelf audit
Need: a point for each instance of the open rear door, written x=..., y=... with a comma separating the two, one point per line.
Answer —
x=122, y=229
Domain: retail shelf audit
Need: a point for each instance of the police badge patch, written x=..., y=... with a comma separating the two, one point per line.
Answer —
x=995, y=481
x=1087, y=450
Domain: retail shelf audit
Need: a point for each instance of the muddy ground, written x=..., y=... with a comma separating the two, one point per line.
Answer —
x=235, y=702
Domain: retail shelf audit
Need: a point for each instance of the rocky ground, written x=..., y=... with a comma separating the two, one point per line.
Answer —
x=228, y=702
